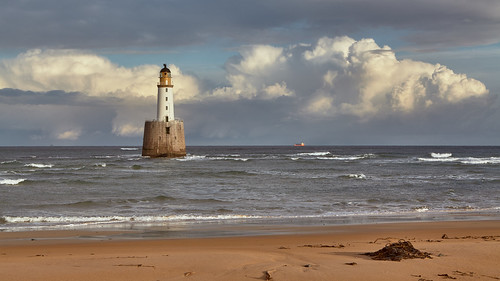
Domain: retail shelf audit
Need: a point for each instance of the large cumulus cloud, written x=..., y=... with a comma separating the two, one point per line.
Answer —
x=73, y=70
x=272, y=94
x=341, y=86
x=343, y=76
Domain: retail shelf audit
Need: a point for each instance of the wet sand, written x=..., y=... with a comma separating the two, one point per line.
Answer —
x=469, y=251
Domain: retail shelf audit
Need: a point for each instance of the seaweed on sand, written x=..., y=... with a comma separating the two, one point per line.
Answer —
x=398, y=251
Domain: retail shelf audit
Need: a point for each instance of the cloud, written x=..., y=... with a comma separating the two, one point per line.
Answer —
x=89, y=24
x=78, y=71
x=271, y=93
x=62, y=77
x=72, y=134
x=252, y=74
x=343, y=76
x=128, y=130
x=327, y=49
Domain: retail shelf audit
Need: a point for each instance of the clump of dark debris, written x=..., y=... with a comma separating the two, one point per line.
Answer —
x=398, y=251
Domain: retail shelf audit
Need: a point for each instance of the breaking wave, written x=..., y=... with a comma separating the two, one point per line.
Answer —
x=11, y=181
x=191, y=158
x=320, y=153
x=441, y=155
x=37, y=165
x=203, y=157
x=325, y=155
x=354, y=176
x=463, y=160
x=74, y=222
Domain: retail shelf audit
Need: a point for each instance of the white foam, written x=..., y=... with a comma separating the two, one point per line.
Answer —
x=129, y=148
x=86, y=220
x=11, y=181
x=421, y=209
x=357, y=176
x=228, y=158
x=100, y=165
x=319, y=153
x=464, y=160
x=447, y=159
x=8, y=162
x=441, y=155
x=478, y=161
x=191, y=158
x=347, y=158
x=37, y=165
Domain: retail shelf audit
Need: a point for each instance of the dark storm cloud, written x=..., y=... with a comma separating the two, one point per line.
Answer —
x=130, y=23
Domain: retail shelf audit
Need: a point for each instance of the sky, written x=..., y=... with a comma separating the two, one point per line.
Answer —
x=262, y=72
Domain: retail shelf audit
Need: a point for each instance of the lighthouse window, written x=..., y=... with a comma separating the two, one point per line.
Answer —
x=166, y=107
x=166, y=98
x=166, y=89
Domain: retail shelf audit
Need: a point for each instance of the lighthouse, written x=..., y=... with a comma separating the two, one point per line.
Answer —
x=165, y=104
x=164, y=137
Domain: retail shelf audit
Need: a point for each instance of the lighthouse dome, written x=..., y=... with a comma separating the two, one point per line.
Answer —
x=165, y=69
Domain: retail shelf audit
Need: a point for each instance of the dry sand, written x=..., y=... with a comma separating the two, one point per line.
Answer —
x=471, y=251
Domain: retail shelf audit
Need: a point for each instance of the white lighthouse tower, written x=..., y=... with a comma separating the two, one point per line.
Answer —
x=165, y=104
x=164, y=137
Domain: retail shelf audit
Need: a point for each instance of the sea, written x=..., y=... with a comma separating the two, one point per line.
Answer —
x=54, y=188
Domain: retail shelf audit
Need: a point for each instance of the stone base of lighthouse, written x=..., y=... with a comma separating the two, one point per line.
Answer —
x=164, y=139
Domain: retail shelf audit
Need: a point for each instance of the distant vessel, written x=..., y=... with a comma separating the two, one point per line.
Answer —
x=299, y=144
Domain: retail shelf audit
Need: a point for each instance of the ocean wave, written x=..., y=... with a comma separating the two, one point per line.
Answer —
x=11, y=181
x=129, y=148
x=355, y=176
x=442, y=159
x=90, y=220
x=464, y=160
x=37, y=165
x=479, y=161
x=325, y=155
x=203, y=157
x=421, y=209
x=319, y=153
x=342, y=158
x=228, y=158
x=104, y=156
x=191, y=158
x=463, y=208
x=348, y=157
x=9, y=162
x=440, y=155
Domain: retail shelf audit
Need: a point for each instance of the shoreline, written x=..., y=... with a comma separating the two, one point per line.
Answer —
x=211, y=227
x=469, y=251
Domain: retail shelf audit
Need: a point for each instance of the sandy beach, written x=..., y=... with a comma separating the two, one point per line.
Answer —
x=470, y=250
